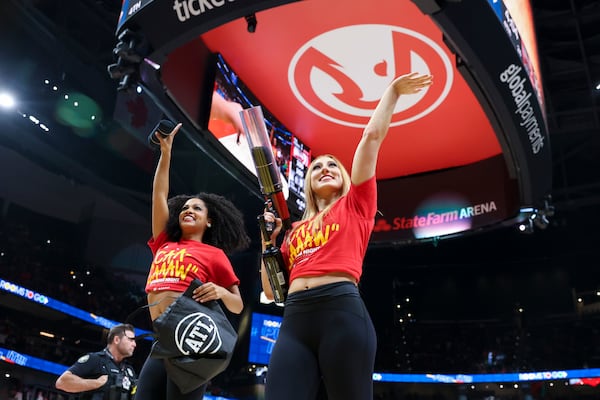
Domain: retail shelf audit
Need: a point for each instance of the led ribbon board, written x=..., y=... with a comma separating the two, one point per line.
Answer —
x=572, y=374
x=24, y=360
x=64, y=308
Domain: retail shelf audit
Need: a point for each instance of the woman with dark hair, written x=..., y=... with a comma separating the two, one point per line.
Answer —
x=191, y=235
x=327, y=335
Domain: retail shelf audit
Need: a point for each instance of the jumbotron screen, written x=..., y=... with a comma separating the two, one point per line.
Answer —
x=318, y=85
x=264, y=331
x=290, y=153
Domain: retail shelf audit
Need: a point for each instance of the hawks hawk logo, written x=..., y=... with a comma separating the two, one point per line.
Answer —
x=341, y=74
x=197, y=333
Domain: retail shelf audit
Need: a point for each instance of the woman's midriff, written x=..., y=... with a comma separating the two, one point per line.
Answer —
x=159, y=301
x=308, y=282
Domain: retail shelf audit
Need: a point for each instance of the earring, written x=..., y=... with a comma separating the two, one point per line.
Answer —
x=208, y=224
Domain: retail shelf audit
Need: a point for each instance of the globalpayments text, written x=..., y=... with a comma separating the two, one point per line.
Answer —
x=436, y=218
x=512, y=77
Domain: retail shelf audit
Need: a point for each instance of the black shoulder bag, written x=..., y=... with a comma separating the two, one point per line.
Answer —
x=196, y=340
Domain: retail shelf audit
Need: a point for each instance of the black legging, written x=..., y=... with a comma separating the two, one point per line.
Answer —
x=154, y=384
x=326, y=334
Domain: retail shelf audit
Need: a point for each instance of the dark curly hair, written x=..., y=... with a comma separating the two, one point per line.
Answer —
x=228, y=231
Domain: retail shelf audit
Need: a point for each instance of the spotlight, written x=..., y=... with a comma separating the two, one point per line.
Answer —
x=251, y=21
x=526, y=226
x=7, y=100
x=531, y=217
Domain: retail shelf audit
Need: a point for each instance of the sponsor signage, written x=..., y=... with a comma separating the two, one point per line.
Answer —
x=445, y=202
x=168, y=24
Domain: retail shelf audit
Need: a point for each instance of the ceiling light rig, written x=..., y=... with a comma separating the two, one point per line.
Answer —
x=129, y=55
x=531, y=218
x=37, y=122
x=251, y=22
x=526, y=226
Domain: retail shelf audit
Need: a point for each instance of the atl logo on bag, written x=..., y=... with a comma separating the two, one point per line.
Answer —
x=198, y=334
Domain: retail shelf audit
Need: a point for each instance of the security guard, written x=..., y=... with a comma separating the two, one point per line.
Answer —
x=104, y=375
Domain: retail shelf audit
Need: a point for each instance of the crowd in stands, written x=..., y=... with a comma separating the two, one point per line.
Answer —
x=51, y=261
x=571, y=342
x=14, y=389
x=48, y=259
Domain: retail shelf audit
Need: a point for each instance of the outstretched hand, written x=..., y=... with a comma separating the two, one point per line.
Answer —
x=412, y=83
x=167, y=141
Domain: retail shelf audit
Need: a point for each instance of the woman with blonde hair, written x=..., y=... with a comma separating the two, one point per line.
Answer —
x=327, y=335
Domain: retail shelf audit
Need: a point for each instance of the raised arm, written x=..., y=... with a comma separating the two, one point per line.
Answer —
x=160, y=185
x=365, y=156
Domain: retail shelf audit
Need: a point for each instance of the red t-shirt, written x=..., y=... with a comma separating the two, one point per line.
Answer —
x=177, y=264
x=341, y=242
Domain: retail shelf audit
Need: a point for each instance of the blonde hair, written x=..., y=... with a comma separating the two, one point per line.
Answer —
x=311, y=210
